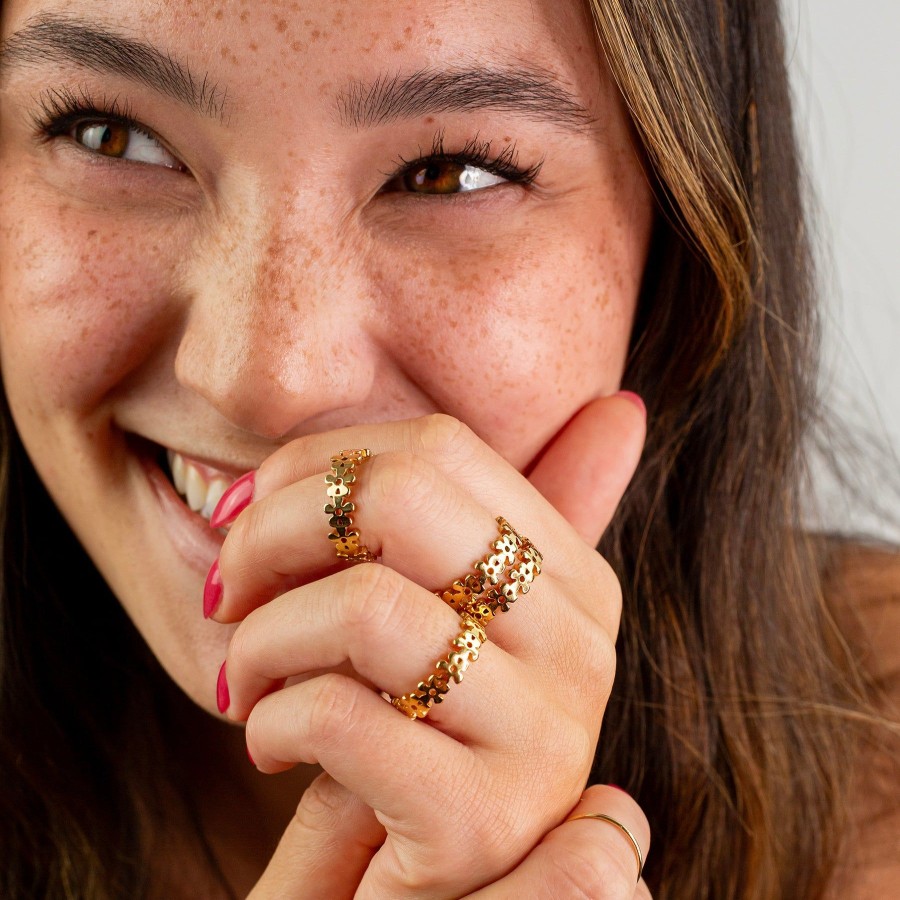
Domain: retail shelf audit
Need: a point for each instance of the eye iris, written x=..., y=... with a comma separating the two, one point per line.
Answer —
x=439, y=177
x=108, y=138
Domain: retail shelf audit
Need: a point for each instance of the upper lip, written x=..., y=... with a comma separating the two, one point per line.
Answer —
x=151, y=446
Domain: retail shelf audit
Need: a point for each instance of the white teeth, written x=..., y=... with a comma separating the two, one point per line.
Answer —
x=201, y=496
x=213, y=496
x=195, y=489
x=176, y=464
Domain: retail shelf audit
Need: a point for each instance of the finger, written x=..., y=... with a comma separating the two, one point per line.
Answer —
x=421, y=524
x=408, y=513
x=444, y=443
x=325, y=849
x=584, y=471
x=370, y=621
x=316, y=721
x=585, y=857
x=418, y=780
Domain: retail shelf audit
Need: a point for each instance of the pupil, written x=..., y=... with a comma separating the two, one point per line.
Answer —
x=439, y=177
x=107, y=138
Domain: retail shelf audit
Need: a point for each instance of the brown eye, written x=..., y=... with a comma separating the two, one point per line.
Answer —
x=107, y=138
x=436, y=177
x=119, y=140
x=444, y=176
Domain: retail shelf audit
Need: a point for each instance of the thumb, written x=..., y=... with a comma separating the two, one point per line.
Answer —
x=586, y=467
x=326, y=848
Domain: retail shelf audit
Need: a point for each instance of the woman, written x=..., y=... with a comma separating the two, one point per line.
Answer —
x=239, y=239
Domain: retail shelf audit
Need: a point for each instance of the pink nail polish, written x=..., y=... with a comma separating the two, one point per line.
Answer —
x=223, y=698
x=250, y=756
x=618, y=788
x=634, y=398
x=212, y=590
x=234, y=501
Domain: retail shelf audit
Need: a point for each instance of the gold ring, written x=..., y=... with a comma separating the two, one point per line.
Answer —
x=340, y=506
x=463, y=652
x=504, y=573
x=634, y=844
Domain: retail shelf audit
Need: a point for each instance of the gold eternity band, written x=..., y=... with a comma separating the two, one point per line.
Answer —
x=345, y=537
x=497, y=580
x=463, y=652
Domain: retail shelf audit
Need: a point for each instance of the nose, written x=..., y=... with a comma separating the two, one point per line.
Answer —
x=274, y=332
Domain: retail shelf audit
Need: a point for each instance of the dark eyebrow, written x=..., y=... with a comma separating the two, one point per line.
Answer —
x=527, y=92
x=92, y=46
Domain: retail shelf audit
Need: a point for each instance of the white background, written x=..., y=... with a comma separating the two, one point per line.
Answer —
x=845, y=69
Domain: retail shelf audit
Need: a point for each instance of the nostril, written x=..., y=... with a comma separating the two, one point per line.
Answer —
x=268, y=364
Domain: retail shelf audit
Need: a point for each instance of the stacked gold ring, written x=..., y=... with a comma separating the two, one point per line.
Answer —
x=345, y=537
x=494, y=585
x=499, y=578
x=463, y=652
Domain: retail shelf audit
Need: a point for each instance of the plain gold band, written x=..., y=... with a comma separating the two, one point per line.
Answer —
x=635, y=845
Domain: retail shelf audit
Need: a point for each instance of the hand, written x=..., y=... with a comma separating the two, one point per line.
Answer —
x=329, y=844
x=465, y=795
x=576, y=861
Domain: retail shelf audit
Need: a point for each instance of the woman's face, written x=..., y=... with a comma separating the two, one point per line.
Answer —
x=327, y=214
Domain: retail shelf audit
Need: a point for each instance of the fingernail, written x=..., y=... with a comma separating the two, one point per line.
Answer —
x=212, y=590
x=234, y=501
x=250, y=756
x=619, y=788
x=223, y=698
x=627, y=395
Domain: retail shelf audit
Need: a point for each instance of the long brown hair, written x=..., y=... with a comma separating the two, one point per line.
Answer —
x=729, y=715
x=725, y=718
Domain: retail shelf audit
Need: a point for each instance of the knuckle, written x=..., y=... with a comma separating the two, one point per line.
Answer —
x=374, y=594
x=404, y=487
x=253, y=729
x=600, y=659
x=250, y=645
x=414, y=880
x=440, y=432
x=332, y=710
x=418, y=872
x=585, y=654
x=320, y=807
x=398, y=479
x=574, y=871
x=238, y=556
x=242, y=650
x=609, y=587
x=574, y=753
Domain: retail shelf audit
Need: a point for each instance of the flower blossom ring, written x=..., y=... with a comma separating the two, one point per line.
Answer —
x=495, y=583
x=339, y=507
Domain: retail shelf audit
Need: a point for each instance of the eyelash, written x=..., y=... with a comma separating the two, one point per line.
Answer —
x=475, y=153
x=62, y=110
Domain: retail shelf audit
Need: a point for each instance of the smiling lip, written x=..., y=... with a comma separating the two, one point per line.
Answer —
x=188, y=529
x=200, y=485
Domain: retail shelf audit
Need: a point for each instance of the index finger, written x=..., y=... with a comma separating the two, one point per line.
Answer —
x=446, y=443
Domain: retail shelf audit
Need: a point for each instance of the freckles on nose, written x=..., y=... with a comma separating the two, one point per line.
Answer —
x=267, y=342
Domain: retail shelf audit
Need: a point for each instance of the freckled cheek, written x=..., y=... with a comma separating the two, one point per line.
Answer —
x=81, y=306
x=514, y=337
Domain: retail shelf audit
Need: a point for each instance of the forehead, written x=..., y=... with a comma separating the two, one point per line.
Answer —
x=263, y=43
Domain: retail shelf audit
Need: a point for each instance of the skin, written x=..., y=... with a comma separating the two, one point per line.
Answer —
x=171, y=302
